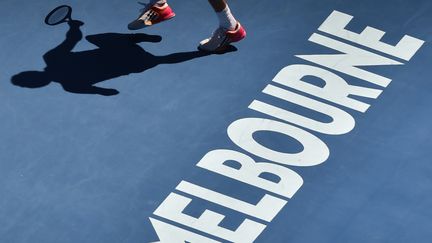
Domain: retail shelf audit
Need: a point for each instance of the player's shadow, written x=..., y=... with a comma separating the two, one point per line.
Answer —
x=116, y=55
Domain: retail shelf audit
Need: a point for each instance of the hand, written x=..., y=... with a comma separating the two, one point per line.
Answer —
x=75, y=23
x=108, y=92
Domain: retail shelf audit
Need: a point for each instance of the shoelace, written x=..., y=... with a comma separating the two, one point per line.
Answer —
x=147, y=13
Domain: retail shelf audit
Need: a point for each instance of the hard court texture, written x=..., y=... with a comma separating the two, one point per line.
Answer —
x=93, y=168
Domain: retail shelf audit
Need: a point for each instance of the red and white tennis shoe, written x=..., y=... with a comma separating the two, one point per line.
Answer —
x=151, y=15
x=222, y=38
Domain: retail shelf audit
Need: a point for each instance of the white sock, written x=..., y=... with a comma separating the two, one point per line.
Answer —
x=226, y=19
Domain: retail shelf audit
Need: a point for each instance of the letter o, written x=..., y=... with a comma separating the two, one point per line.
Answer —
x=314, y=151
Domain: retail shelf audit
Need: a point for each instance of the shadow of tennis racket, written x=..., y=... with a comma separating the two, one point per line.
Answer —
x=61, y=14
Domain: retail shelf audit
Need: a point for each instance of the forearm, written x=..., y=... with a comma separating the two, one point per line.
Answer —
x=90, y=90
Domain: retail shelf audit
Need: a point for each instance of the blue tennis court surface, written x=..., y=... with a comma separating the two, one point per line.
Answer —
x=315, y=128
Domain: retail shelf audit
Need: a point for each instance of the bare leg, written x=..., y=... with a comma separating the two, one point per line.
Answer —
x=229, y=29
x=218, y=5
x=223, y=12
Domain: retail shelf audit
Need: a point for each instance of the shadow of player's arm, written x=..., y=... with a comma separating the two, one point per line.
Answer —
x=180, y=57
x=186, y=56
x=90, y=89
x=117, y=39
x=73, y=36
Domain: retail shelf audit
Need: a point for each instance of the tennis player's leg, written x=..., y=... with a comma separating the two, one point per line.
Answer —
x=229, y=30
x=154, y=12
